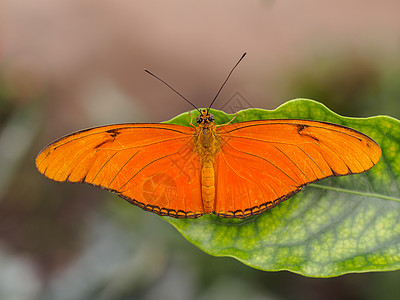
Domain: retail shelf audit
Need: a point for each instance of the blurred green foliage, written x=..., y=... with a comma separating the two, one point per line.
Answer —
x=352, y=85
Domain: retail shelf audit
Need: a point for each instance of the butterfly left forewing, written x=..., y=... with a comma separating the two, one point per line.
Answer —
x=153, y=166
x=262, y=163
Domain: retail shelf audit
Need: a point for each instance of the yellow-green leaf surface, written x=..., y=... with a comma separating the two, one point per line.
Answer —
x=335, y=226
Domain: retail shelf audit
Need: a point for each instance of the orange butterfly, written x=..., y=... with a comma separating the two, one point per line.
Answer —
x=233, y=170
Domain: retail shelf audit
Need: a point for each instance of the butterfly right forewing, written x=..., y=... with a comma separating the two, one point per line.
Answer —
x=262, y=163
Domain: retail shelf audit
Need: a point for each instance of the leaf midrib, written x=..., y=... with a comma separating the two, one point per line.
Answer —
x=341, y=190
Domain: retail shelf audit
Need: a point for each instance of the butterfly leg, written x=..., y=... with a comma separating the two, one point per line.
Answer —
x=228, y=122
x=191, y=120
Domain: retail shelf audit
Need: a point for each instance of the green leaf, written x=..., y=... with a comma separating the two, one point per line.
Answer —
x=337, y=226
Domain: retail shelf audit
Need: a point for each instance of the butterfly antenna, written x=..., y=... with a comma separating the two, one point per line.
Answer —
x=147, y=71
x=229, y=75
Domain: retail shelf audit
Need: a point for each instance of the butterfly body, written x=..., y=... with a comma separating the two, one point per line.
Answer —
x=207, y=145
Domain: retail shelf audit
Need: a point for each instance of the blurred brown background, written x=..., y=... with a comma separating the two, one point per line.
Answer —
x=68, y=65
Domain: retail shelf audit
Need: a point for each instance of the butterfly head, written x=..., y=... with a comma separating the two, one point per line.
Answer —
x=205, y=118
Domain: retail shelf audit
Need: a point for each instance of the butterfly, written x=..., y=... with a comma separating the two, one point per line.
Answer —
x=234, y=170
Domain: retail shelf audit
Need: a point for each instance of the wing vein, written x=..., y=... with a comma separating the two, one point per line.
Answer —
x=104, y=164
x=268, y=161
x=291, y=161
x=148, y=164
x=120, y=169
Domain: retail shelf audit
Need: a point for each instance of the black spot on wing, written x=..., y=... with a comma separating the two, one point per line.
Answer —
x=103, y=143
x=300, y=128
x=112, y=133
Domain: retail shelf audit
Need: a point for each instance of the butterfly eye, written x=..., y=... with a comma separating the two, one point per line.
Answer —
x=199, y=119
x=211, y=118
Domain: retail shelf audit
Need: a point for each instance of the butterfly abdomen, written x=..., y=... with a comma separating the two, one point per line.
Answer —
x=207, y=145
x=208, y=186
